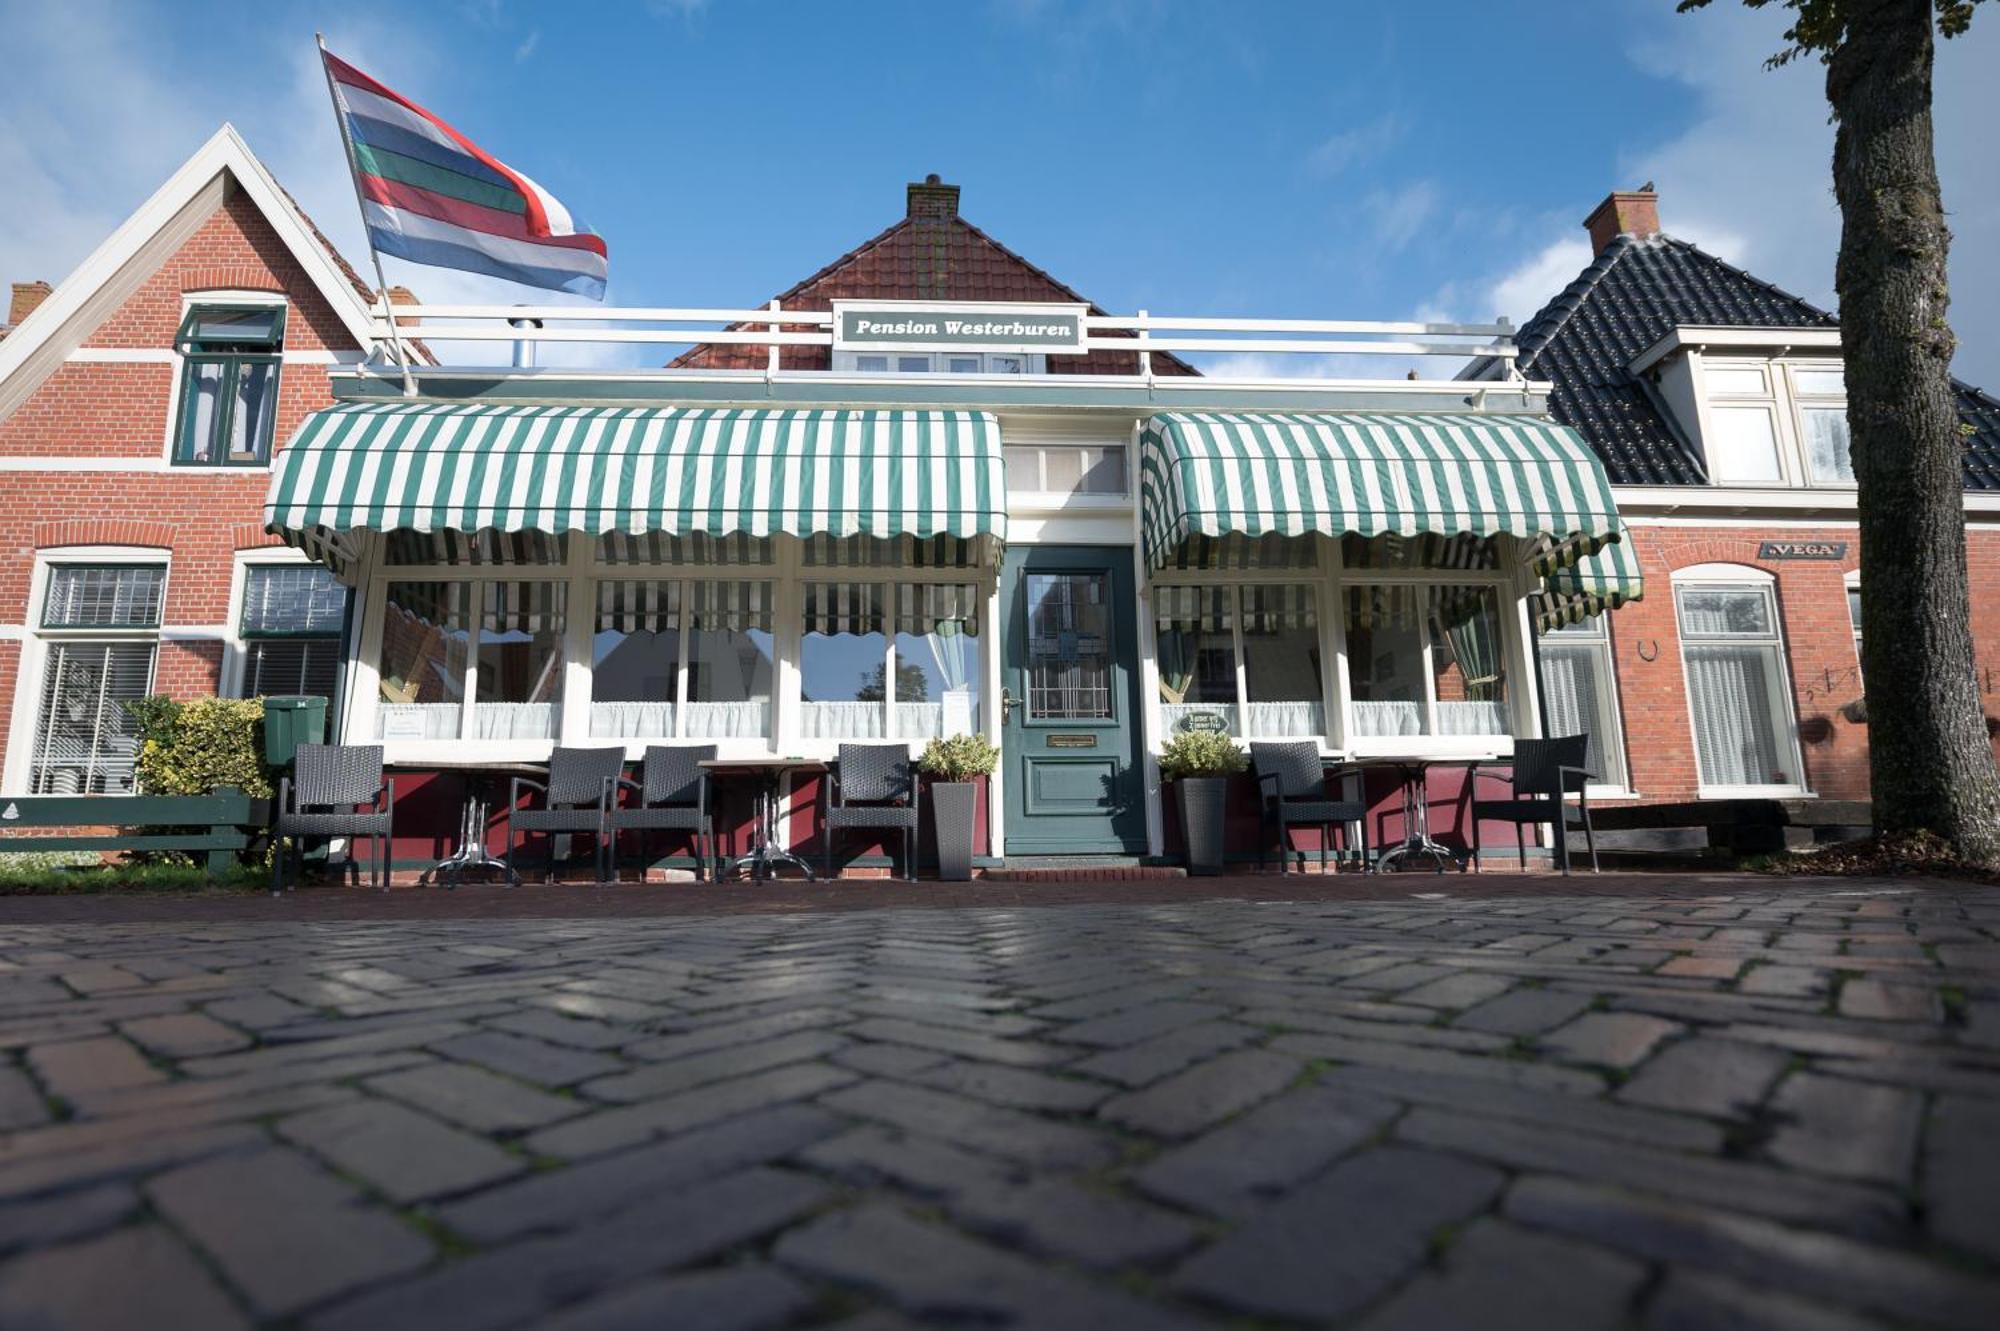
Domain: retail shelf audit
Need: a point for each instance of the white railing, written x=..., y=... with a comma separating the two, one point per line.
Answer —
x=774, y=327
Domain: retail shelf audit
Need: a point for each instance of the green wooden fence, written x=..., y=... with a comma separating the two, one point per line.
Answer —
x=230, y=816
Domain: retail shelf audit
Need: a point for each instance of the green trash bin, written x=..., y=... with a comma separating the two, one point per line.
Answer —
x=289, y=722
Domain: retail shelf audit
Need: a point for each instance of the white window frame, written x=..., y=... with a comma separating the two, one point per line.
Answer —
x=235, y=646
x=1597, y=642
x=939, y=363
x=1850, y=588
x=1786, y=406
x=1744, y=577
x=170, y=430
x=1040, y=496
x=35, y=641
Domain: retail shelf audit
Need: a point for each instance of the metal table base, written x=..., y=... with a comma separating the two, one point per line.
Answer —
x=765, y=854
x=471, y=852
x=1417, y=839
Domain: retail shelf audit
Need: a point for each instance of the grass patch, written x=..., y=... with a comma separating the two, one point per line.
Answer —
x=38, y=877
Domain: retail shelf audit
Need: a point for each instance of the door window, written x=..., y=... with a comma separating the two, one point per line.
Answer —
x=1069, y=647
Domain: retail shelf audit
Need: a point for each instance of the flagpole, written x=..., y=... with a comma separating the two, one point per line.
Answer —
x=354, y=174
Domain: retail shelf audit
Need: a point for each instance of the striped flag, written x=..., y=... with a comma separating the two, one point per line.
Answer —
x=433, y=196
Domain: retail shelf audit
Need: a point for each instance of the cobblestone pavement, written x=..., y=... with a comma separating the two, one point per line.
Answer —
x=1763, y=1107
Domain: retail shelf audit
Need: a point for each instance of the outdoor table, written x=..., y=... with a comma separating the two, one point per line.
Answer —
x=482, y=787
x=1413, y=774
x=765, y=854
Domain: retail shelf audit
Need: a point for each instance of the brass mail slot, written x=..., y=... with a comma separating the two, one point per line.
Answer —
x=1072, y=741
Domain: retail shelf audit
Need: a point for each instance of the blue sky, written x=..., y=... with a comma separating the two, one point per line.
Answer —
x=1338, y=160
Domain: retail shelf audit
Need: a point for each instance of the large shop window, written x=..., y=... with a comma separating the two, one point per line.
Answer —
x=1425, y=659
x=889, y=660
x=498, y=643
x=1734, y=653
x=100, y=628
x=682, y=659
x=293, y=617
x=729, y=661
x=1244, y=660
x=229, y=384
x=1581, y=696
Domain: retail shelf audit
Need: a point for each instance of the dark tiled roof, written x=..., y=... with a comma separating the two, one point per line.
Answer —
x=925, y=258
x=1632, y=295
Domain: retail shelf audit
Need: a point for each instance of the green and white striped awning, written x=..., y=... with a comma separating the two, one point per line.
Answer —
x=430, y=467
x=1591, y=585
x=1214, y=474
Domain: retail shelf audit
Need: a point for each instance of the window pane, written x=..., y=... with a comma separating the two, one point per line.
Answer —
x=1024, y=468
x=1829, y=383
x=1197, y=657
x=635, y=660
x=1827, y=444
x=85, y=742
x=843, y=662
x=938, y=677
x=1103, y=471
x=1385, y=660
x=481, y=547
x=1062, y=469
x=1711, y=612
x=872, y=364
x=729, y=660
x=1281, y=664
x=1578, y=694
x=1069, y=647
x=201, y=410
x=107, y=596
x=1744, y=448
x=1414, y=552
x=220, y=329
x=1733, y=694
x=1006, y=365
x=1721, y=379
x=256, y=410
x=1468, y=673
x=277, y=666
x=292, y=598
x=520, y=661
x=1854, y=607
x=426, y=643
x=965, y=365
x=913, y=364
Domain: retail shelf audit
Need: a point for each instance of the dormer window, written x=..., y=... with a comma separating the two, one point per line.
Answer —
x=1775, y=422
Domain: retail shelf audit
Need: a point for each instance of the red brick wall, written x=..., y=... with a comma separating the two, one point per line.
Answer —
x=199, y=516
x=1819, y=647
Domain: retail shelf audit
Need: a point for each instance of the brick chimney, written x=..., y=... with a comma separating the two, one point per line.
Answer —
x=27, y=295
x=401, y=295
x=1624, y=213
x=930, y=200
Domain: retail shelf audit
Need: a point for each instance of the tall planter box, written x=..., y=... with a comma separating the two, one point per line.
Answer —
x=1204, y=802
x=953, y=806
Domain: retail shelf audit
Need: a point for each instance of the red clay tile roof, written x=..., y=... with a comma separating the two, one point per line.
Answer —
x=925, y=258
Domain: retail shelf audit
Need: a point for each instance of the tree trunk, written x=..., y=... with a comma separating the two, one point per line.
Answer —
x=1930, y=762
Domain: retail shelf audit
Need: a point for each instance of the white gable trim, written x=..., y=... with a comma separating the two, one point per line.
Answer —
x=188, y=198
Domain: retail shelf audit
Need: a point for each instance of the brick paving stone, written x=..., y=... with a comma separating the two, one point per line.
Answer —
x=1260, y=1154
x=1849, y=1129
x=1523, y=1012
x=726, y=1034
x=1059, y=1219
x=81, y=1066
x=21, y=1105
x=1961, y=1178
x=1783, y=981
x=256, y=1011
x=285, y=1233
x=963, y=1044
x=1149, y=1060
x=184, y=1034
x=888, y=1060
x=521, y=1283
x=1706, y=1076
x=1425, y=1035
x=1337, y=1244
x=1499, y=1277
x=1900, y=1286
x=1007, y=1133
x=1691, y=1301
x=1386, y=1053
x=559, y=1199
x=405, y=1155
x=1878, y=1000
x=556, y=1028
x=474, y=1098
x=1016, y=1088
x=524, y=1059
x=923, y=1166
x=740, y=1299
x=138, y=1279
x=1608, y=1039
x=123, y=1159
x=629, y=1125
x=1454, y=992
x=1702, y=967
x=685, y=1074
x=67, y=1215
x=1204, y=1095
x=1130, y=1027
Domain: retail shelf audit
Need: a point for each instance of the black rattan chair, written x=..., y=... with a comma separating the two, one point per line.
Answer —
x=672, y=796
x=577, y=798
x=1291, y=786
x=334, y=790
x=1545, y=773
x=871, y=786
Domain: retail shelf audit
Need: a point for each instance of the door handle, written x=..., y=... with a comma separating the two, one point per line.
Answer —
x=1008, y=702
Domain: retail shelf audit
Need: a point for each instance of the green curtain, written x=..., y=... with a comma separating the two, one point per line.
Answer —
x=1472, y=627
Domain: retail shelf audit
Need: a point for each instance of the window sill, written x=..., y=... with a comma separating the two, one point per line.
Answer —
x=1753, y=793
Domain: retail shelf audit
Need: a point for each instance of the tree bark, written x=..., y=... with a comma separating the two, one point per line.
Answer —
x=1930, y=761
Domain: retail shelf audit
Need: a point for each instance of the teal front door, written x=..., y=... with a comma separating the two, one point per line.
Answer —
x=1071, y=732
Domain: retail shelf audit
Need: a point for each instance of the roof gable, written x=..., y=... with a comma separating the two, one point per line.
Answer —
x=925, y=258
x=32, y=350
x=1636, y=291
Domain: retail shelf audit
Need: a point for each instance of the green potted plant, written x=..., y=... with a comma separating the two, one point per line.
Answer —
x=1200, y=763
x=952, y=764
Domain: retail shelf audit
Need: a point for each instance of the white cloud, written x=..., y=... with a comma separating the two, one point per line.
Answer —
x=1518, y=293
x=1356, y=145
x=527, y=46
x=1397, y=216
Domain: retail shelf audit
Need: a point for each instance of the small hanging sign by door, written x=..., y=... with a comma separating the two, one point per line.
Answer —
x=1802, y=550
x=1085, y=741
